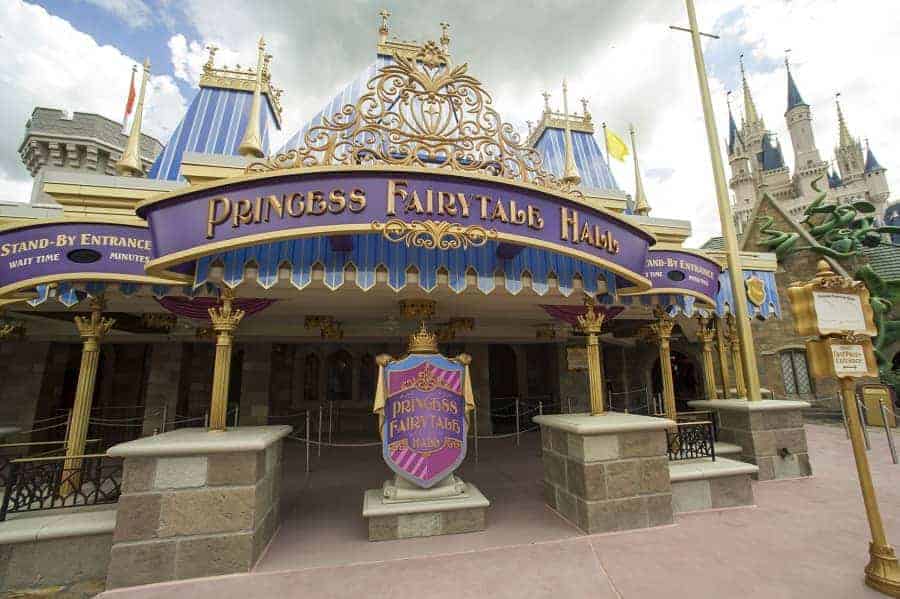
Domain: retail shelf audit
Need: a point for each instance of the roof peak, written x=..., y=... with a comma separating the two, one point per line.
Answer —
x=750, y=113
x=871, y=162
x=794, y=98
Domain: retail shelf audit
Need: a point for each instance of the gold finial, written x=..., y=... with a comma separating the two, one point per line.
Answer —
x=130, y=163
x=592, y=321
x=546, y=95
x=823, y=269
x=584, y=106
x=212, y=48
x=422, y=342
x=383, y=30
x=571, y=174
x=445, y=37
x=251, y=144
x=641, y=205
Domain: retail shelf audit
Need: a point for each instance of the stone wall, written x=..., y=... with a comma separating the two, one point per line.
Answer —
x=608, y=482
x=22, y=368
x=774, y=440
x=256, y=372
x=163, y=381
x=192, y=516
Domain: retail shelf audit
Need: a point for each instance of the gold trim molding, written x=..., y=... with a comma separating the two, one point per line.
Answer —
x=431, y=235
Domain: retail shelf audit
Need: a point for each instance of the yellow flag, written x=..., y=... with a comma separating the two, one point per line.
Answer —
x=615, y=146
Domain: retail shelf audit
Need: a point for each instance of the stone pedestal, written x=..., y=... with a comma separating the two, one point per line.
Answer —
x=195, y=503
x=607, y=473
x=770, y=433
x=451, y=509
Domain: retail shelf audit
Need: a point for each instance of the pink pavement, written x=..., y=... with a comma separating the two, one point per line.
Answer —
x=805, y=538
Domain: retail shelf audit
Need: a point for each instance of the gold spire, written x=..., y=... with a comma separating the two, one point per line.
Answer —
x=571, y=174
x=750, y=114
x=130, y=163
x=641, y=205
x=845, y=138
x=251, y=144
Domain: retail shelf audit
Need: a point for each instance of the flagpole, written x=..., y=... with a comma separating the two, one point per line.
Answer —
x=129, y=100
x=606, y=142
x=745, y=334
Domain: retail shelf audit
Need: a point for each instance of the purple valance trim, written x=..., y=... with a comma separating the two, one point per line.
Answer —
x=570, y=314
x=197, y=308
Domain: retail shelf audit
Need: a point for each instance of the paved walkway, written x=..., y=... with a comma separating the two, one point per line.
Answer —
x=806, y=538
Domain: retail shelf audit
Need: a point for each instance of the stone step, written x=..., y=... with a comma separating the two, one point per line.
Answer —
x=703, y=484
x=724, y=449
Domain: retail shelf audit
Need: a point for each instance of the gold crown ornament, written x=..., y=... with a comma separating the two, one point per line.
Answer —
x=422, y=342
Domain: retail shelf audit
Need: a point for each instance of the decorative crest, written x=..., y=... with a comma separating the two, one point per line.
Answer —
x=421, y=110
x=430, y=234
x=591, y=322
x=422, y=342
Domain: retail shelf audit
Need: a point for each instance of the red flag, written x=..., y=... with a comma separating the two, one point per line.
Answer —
x=129, y=105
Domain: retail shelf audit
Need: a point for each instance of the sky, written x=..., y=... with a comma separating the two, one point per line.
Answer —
x=77, y=55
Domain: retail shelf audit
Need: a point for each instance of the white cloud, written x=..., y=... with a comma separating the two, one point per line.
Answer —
x=188, y=58
x=134, y=13
x=65, y=68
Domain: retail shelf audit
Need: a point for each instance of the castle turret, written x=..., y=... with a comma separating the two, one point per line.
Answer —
x=808, y=164
x=876, y=181
x=752, y=125
x=849, y=152
x=741, y=182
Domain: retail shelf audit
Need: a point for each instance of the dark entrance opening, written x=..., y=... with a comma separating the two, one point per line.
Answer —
x=504, y=387
x=686, y=378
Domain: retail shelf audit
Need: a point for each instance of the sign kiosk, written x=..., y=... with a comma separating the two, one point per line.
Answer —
x=837, y=310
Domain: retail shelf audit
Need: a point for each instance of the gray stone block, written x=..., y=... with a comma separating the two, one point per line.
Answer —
x=587, y=481
x=426, y=524
x=623, y=479
x=141, y=563
x=239, y=468
x=54, y=562
x=550, y=494
x=554, y=469
x=594, y=448
x=691, y=495
x=139, y=474
x=655, y=476
x=731, y=491
x=207, y=511
x=180, y=472
x=559, y=441
x=461, y=521
x=383, y=528
x=660, y=509
x=791, y=466
x=792, y=439
x=642, y=444
x=567, y=505
x=214, y=555
x=137, y=517
x=616, y=514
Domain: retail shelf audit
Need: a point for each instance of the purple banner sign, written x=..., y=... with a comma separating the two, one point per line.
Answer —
x=676, y=271
x=53, y=251
x=424, y=435
x=283, y=206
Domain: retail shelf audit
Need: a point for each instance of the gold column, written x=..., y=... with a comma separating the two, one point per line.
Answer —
x=592, y=323
x=734, y=339
x=662, y=332
x=735, y=271
x=883, y=570
x=706, y=335
x=723, y=357
x=92, y=329
x=224, y=321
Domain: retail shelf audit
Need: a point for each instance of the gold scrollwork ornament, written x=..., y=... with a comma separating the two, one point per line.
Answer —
x=434, y=235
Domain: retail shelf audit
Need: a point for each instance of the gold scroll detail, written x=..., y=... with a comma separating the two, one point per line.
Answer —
x=424, y=111
x=434, y=235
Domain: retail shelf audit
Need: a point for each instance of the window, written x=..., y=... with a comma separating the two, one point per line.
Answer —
x=795, y=372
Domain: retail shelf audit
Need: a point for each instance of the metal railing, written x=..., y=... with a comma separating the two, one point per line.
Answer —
x=691, y=440
x=57, y=482
x=34, y=449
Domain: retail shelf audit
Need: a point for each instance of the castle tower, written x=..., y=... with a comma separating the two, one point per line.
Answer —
x=849, y=152
x=742, y=183
x=753, y=128
x=808, y=164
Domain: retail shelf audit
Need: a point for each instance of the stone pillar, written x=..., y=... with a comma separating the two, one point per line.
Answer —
x=607, y=473
x=257, y=369
x=91, y=329
x=661, y=331
x=770, y=433
x=481, y=385
x=163, y=380
x=224, y=321
x=195, y=503
x=706, y=335
x=735, y=342
x=723, y=357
